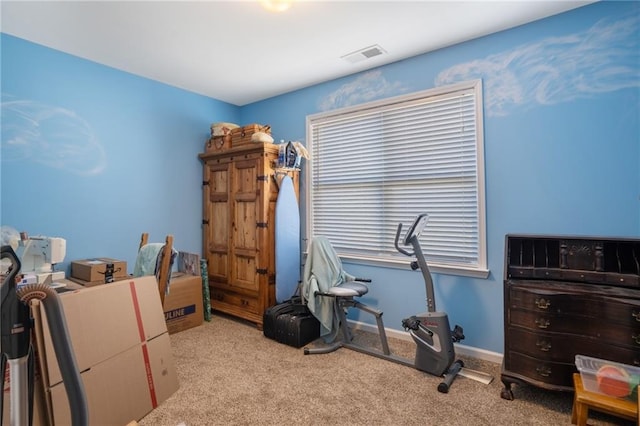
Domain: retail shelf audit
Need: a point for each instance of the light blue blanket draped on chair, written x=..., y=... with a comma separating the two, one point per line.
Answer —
x=149, y=260
x=323, y=270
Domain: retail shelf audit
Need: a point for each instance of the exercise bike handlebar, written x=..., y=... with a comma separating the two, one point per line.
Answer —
x=400, y=249
x=412, y=238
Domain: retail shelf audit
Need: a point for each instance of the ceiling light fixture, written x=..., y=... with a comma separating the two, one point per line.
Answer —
x=276, y=5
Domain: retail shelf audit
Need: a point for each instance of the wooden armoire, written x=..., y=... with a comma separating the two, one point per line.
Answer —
x=240, y=189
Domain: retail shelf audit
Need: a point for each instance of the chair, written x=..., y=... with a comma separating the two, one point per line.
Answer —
x=329, y=292
x=156, y=259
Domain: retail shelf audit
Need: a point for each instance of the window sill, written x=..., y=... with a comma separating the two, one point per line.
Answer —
x=434, y=268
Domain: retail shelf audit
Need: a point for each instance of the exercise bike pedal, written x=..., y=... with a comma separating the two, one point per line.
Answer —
x=457, y=334
x=411, y=323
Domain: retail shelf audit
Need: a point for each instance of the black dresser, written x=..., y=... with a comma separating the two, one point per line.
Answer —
x=565, y=296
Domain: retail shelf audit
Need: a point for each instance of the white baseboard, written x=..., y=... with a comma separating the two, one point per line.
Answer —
x=470, y=351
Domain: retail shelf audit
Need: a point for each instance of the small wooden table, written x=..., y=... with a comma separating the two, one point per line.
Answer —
x=585, y=400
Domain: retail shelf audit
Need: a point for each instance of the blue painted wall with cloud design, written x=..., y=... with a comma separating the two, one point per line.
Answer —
x=561, y=134
x=97, y=156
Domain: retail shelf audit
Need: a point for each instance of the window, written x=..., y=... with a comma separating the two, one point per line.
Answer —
x=382, y=163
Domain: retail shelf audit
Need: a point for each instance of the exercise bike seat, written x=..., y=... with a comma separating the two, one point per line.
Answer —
x=348, y=289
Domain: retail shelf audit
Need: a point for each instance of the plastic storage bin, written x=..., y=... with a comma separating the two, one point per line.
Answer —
x=608, y=377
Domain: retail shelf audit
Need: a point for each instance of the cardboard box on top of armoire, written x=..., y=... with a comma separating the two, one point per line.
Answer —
x=122, y=349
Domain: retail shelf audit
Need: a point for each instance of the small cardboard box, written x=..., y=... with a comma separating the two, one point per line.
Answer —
x=94, y=270
x=183, y=307
x=608, y=377
x=95, y=283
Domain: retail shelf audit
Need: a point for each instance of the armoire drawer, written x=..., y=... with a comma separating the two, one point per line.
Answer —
x=219, y=298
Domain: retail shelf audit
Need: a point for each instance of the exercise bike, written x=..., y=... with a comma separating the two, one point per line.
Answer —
x=435, y=353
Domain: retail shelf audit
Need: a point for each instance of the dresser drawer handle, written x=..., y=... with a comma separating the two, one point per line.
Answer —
x=543, y=371
x=543, y=323
x=636, y=338
x=543, y=345
x=542, y=303
x=636, y=315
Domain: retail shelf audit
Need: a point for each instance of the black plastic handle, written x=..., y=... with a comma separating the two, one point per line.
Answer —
x=15, y=322
x=8, y=253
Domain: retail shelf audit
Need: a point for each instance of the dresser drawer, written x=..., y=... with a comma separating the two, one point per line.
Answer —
x=543, y=321
x=549, y=301
x=601, y=327
x=552, y=373
x=621, y=311
x=564, y=347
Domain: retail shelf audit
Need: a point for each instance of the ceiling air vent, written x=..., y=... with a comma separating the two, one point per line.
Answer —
x=362, y=54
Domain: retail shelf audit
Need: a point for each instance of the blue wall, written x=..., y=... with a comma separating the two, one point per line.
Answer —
x=98, y=156
x=562, y=137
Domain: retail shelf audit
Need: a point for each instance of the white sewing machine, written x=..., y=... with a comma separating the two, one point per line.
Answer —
x=38, y=256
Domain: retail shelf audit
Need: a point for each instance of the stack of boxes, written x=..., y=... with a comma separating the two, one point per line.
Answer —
x=121, y=347
x=183, y=306
x=235, y=138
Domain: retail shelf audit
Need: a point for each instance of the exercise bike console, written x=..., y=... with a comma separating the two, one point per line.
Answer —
x=415, y=230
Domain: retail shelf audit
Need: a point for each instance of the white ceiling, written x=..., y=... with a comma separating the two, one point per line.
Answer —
x=238, y=52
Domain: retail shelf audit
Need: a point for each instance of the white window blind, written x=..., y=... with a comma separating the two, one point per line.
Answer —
x=383, y=163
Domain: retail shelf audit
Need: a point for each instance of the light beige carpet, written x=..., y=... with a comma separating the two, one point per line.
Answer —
x=230, y=374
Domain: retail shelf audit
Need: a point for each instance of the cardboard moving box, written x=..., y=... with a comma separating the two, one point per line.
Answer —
x=94, y=270
x=125, y=387
x=183, y=307
x=121, y=346
x=103, y=321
